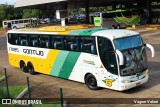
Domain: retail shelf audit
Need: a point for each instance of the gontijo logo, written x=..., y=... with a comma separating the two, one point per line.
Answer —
x=33, y=52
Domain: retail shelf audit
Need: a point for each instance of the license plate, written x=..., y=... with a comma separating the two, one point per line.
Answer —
x=139, y=83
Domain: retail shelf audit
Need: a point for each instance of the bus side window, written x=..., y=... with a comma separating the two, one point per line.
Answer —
x=16, y=39
x=72, y=44
x=33, y=41
x=20, y=21
x=88, y=45
x=44, y=42
x=13, y=39
x=127, y=14
x=57, y=42
x=23, y=40
x=16, y=22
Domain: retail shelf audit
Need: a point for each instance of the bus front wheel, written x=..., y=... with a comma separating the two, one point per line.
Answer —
x=30, y=68
x=91, y=82
x=23, y=66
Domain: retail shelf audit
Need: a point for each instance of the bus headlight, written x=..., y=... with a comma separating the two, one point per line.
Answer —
x=145, y=73
x=126, y=81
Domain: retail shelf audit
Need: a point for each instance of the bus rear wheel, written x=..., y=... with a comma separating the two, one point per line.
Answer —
x=30, y=68
x=118, y=27
x=113, y=26
x=23, y=66
x=91, y=82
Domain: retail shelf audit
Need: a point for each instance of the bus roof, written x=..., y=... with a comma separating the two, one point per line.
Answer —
x=115, y=33
x=103, y=32
x=17, y=19
x=114, y=11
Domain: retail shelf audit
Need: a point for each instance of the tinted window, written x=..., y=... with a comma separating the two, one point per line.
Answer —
x=34, y=40
x=5, y=23
x=88, y=45
x=57, y=42
x=13, y=39
x=69, y=43
x=44, y=42
x=127, y=14
x=72, y=43
x=16, y=22
x=23, y=40
x=119, y=14
x=108, y=15
x=21, y=21
x=26, y=21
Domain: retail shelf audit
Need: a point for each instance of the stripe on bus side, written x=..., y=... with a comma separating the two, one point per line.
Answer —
x=86, y=32
x=59, y=63
x=69, y=64
x=49, y=61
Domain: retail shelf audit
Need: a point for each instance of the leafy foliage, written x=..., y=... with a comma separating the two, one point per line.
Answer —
x=8, y=12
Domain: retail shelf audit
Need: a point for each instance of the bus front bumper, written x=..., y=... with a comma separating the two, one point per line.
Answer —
x=126, y=86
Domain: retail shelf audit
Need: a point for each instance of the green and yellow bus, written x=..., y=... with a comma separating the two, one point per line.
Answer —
x=99, y=57
x=116, y=19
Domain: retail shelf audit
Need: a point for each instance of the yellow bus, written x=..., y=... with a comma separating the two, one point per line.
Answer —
x=99, y=57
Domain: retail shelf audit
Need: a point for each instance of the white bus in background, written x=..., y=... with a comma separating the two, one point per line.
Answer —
x=19, y=23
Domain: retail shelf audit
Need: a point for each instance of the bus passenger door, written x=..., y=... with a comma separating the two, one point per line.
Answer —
x=107, y=55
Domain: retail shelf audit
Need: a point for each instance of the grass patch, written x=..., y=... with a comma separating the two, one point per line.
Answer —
x=14, y=91
x=47, y=105
x=36, y=105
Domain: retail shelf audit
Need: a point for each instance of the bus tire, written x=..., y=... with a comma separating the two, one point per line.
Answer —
x=113, y=27
x=30, y=68
x=23, y=66
x=91, y=82
x=118, y=26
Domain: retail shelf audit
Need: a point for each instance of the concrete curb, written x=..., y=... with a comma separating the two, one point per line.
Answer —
x=131, y=28
x=151, y=28
x=2, y=78
x=22, y=93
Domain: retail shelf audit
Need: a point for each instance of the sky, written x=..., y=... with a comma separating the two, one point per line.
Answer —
x=12, y=2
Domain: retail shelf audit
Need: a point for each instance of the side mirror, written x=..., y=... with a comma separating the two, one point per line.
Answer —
x=120, y=56
x=151, y=48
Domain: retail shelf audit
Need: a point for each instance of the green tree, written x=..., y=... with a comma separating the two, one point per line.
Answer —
x=8, y=12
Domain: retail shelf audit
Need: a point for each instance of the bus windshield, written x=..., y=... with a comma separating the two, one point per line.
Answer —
x=135, y=60
x=128, y=42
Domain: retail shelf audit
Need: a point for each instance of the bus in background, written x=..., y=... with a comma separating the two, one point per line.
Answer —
x=99, y=57
x=19, y=23
x=116, y=19
x=142, y=14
